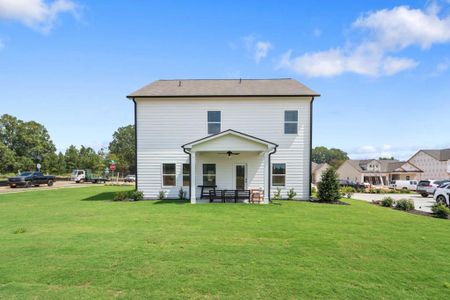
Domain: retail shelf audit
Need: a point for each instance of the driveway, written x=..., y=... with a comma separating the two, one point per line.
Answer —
x=420, y=203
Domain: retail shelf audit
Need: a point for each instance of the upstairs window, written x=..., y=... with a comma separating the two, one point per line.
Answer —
x=214, y=120
x=186, y=174
x=169, y=175
x=290, y=121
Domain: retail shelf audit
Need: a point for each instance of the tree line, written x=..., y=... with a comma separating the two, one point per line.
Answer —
x=24, y=144
x=333, y=156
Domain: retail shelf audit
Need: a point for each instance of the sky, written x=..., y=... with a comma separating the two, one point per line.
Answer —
x=382, y=67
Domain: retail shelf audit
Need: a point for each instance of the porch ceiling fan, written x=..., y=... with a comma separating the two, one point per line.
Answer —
x=229, y=153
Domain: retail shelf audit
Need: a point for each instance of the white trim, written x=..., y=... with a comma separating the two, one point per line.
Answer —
x=272, y=174
x=162, y=175
x=227, y=132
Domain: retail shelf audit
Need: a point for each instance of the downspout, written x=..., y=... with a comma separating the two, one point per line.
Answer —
x=188, y=153
x=270, y=172
x=310, y=146
x=135, y=145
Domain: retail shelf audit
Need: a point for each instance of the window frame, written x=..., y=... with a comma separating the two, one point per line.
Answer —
x=208, y=122
x=278, y=175
x=163, y=175
x=286, y=122
x=215, y=173
x=183, y=174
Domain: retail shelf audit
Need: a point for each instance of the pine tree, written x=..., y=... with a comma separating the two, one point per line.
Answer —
x=328, y=187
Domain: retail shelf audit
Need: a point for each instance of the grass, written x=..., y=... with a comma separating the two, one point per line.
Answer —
x=76, y=243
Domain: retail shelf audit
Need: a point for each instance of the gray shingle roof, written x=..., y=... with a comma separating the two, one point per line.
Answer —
x=224, y=87
x=441, y=155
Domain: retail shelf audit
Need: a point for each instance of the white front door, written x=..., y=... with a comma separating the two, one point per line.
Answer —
x=240, y=176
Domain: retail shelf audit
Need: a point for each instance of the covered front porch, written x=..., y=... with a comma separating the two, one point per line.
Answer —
x=229, y=167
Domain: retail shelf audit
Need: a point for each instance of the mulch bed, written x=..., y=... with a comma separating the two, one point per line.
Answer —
x=414, y=211
x=334, y=202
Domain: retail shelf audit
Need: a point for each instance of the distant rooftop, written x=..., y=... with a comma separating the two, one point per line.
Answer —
x=224, y=87
x=441, y=154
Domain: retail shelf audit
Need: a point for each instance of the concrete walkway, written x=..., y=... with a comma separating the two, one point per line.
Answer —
x=420, y=203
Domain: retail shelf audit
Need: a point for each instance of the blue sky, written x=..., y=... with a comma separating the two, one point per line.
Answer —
x=382, y=67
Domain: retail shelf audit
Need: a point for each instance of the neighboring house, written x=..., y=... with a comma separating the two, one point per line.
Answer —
x=377, y=172
x=435, y=164
x=235, y=134
x=317, y=171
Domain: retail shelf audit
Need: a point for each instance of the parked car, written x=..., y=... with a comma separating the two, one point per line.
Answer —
x=442, y=194
x=130, y=178
x=355, y=185
x=28, y=179
x=403, y=185
x=428, y=187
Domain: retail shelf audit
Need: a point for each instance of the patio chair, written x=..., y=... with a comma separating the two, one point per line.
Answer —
x=256, y=195
x=215, y=195
x=229, y=196
x=242, y=195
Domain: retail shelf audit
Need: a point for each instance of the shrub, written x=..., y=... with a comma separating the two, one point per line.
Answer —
x=181, y=194
x=347, y=191
x=20, y=230
x=121, y=196
x=162, y=195
x=291, y=194
x=277, y=194
x=387, y=202
x=404, y=204
x=328, y=187
x=313, y=190
x=136, y=195
x=440, y=211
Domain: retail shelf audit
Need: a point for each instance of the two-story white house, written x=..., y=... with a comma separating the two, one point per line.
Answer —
x=235, y=134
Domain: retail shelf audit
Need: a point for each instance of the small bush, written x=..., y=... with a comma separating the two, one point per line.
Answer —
x=136, y=195
x=440, y=211
x=162, y=195
x=313, y=190
x=328, y=187
x=387, y=202
x=347, y=191
x=20, y=230
x=291, y=194
x=277, y=194
x=404, y=204
x=121, y=196
x=181, y=194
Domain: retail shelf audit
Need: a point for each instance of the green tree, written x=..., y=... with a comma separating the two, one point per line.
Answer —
x=386, y=158
x=61, y=164
x=123, y=147
x=334, y=157
x=328, y=187
x=29, y=141
x=89, y=159
x=7, y=159
x=72, y=158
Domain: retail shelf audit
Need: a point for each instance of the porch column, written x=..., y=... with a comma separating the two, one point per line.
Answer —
x=193, y=194
x=266, y=178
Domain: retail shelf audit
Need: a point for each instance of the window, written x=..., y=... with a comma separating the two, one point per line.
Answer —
x=209, y=174
x=278, y=174
x=214, y=119
x=290, y=121
x=186, y=174
x=169, y=175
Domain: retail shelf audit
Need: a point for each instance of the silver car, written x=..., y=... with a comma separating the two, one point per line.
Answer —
x=428, y=187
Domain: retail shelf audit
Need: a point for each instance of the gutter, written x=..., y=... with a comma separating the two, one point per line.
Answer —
x=135, y=144
x=188, y=153
x=310, y=147
x=270, y=172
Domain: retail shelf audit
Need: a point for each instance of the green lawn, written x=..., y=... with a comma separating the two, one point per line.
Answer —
x=78, y=244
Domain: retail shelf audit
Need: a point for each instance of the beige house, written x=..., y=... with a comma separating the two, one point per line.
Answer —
x=317, y=171
x=435, y=164
x=377, y=172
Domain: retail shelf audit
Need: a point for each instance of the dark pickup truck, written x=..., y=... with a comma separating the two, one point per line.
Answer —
x=28, y=179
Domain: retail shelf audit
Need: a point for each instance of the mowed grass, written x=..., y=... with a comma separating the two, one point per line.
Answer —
x=76, y=243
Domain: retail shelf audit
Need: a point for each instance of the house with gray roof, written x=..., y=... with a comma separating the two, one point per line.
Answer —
x=377, y=172
x=434, y=163
x=221, y=138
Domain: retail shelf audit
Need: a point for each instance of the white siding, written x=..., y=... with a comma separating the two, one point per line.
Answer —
x=163, y=125
x=431, y=167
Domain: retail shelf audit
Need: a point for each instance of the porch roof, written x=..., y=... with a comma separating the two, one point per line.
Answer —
x=230, y=140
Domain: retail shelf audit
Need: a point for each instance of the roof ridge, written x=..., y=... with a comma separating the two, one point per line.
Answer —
x=213, y=79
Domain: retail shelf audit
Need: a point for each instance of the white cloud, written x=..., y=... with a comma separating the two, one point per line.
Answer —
x=37, y=14
x=261, y=50
x=389, y=31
